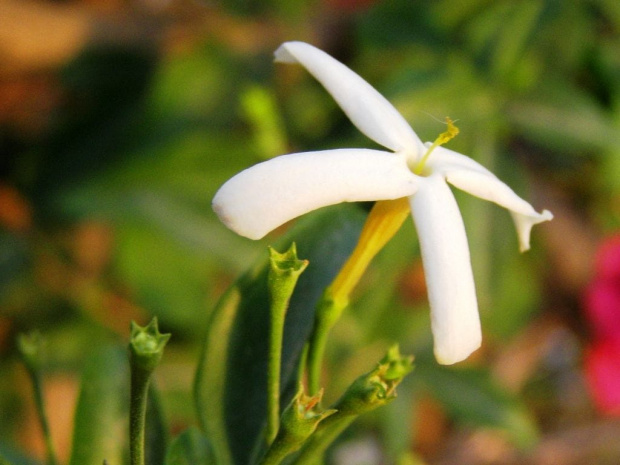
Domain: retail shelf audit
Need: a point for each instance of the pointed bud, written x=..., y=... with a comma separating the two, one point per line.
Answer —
x=146, y=345
x=299, y=420
x=302, y=416
x=367, y=392
x=377, y=387
x=284, y=271
x=30, y=348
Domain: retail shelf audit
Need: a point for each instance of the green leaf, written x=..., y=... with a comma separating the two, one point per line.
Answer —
x=190, y=448
x=472, y=396
x=515, y=30
x=231, y=379
x=562, y=118
x=102, y=411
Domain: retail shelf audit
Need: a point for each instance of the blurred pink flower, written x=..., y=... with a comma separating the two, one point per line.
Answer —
x=602, y=362
x=608, y=259
x=602, y=309
x=602, y=305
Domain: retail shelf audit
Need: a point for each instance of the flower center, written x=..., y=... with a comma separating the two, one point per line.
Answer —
x=450, y=133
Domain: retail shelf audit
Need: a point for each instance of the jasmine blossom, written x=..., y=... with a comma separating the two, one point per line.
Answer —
x=263, y=197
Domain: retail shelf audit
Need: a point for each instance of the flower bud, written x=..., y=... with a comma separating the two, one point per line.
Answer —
x=299, y=420
x=285, y=269
x=376, y=387
x=146, y=345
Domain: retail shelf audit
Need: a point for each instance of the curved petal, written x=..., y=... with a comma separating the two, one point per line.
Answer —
x=444, y=160
x=261, y=198
x=524, y=224
x=470, y=176
x=447, y=266
x=366, y=108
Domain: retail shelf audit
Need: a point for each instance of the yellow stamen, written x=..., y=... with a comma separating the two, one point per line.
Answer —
x=444, y=137
x=383, y=221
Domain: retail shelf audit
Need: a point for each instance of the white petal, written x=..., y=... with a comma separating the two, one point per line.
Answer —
x=261, y=198
x=470, y=176
x=365, y=107
x=524, y=224
x=443, y=160
x=447, y=267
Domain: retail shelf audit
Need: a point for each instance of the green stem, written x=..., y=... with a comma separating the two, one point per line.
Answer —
x=278, y=312
x=327, y=314
x=316, y=354
x=285, y=269
x=30, y=347
x=140, y=380
x=318, y=443
x=298, y=422
x=146, y=348
x=276, y=453
x=383, y=221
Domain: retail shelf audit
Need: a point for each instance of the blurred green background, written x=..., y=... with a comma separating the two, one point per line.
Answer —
x=119, y=120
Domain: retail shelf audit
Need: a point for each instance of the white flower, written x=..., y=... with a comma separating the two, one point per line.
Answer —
x=263, y=197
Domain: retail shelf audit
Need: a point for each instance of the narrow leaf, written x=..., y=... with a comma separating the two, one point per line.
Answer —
x=100, y=430
x=564, y=119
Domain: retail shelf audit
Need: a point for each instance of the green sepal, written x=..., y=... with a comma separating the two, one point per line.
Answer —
x=30, y=348
x=377, y=387
x=146, y=345
x=286, y=263
x=299, y=420
x=284, y=270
